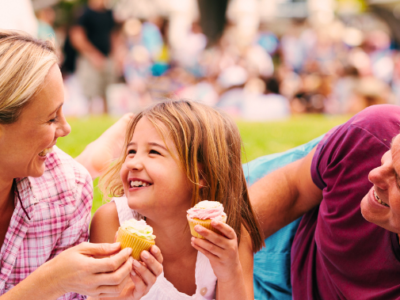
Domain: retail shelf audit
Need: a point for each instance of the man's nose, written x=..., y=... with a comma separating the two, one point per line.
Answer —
x=380, y=177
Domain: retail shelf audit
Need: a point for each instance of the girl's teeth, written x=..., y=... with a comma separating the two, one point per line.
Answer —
x=138, y=184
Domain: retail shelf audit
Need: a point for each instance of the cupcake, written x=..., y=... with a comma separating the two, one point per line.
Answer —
x=203, y=213
x=136, y=235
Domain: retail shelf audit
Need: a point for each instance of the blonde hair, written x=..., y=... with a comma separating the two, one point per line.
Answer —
x=209, y=148
x=24, y=64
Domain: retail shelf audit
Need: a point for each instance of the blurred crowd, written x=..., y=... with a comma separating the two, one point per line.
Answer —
x=114, y=63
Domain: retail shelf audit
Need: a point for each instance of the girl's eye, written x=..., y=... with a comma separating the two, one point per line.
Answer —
x=132, y=151
x=154, y=152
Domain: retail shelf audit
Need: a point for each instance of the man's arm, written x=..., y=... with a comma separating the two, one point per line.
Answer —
x=284, y=195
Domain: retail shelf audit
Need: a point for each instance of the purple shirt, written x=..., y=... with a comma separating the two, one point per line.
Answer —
x=336, y=253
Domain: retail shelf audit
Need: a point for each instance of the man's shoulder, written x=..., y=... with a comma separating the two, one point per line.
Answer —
x=382, y=121
x=357, y=144
x=377, y=124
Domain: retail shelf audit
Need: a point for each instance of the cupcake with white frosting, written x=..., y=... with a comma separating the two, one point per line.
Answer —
x=136, y=235
x=203, y=213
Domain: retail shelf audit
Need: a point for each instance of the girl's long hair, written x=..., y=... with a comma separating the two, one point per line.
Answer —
x=209, y=147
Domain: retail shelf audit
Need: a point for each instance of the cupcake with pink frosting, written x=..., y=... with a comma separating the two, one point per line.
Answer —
x=203, y=213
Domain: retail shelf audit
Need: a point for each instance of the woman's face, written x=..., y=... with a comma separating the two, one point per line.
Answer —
x=381, y=205
x=24, y=145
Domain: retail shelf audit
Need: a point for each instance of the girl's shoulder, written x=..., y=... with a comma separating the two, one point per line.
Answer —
x=104, y=224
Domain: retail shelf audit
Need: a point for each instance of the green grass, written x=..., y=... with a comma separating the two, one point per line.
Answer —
x=258, y=138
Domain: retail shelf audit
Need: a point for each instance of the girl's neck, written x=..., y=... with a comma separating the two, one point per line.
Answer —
x=172, y=236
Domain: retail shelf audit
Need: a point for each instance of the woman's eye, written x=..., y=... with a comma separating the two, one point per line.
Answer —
x=154, y=152
x=53, y=120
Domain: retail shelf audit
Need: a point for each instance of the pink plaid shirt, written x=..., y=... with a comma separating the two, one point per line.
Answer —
x=58, y=204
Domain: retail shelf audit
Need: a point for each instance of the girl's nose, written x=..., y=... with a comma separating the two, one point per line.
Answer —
x=380, y=177
x=135, y=163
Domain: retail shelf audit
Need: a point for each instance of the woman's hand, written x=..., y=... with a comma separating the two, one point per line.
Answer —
x=144, y=274
x=97, y=270
x=220, y=249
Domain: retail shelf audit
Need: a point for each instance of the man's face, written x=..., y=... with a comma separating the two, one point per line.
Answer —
x=381, y=205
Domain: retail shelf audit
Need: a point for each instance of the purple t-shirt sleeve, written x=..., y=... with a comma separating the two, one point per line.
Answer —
x=335, y=249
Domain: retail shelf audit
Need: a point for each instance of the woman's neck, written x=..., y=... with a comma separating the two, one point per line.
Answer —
x=6, y=196
x=6, y=208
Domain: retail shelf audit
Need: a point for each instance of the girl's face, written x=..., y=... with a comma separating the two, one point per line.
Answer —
x=24, y=144
x=154, y=182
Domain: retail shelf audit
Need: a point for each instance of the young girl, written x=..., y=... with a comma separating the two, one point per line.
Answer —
x=179, y=153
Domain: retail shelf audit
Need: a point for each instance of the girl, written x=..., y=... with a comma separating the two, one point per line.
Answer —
x=179, y=153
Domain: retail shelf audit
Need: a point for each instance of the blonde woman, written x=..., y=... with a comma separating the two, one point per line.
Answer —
x=45, y=196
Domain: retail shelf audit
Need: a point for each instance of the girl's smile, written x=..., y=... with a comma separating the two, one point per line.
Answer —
x=137, y=183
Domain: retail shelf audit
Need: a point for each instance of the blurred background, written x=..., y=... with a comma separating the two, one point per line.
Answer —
x=256, y=59
x=286, y=70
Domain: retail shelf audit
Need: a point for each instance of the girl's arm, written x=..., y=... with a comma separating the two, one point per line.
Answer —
x=103, y=228
x=232, y=264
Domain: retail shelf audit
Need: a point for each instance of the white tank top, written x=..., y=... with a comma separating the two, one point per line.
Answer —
x=163, y=289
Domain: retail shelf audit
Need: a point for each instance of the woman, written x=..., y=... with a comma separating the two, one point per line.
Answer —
x=45, y=196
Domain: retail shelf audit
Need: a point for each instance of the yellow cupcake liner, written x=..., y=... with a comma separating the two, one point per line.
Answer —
x=205, y=223
x=133, y=241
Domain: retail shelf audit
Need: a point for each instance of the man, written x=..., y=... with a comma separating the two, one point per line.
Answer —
x=92, y=37
x=348, y=191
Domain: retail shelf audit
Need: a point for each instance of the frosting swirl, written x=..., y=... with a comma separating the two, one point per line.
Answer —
x=207, y=210
x=139, y=228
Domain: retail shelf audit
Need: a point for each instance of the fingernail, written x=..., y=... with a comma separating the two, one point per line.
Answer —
x=130, y=259
x=136, y=263
x=198, y=228
x=154, y=250
x=129, y=251
x=133, y=273
x=145, y=255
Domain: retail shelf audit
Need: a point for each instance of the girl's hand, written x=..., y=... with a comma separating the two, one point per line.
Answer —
x=144, y=274
x=221, y=250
